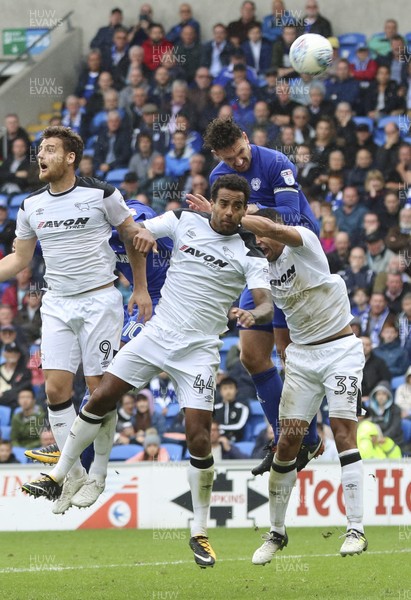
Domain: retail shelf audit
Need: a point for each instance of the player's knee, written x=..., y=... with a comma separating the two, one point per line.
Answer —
x=288, y=446
x=255, y=361
x=344, y=438
x=101, y=401
x=57, y=393
x=198, y=443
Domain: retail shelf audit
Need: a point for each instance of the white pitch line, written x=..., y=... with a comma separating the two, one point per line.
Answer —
x=283, y=558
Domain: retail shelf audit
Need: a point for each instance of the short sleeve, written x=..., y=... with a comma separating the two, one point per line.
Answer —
x=164, y=225
x=115, y=208
x=256, y=273
x=24, y=231
x=311, y=242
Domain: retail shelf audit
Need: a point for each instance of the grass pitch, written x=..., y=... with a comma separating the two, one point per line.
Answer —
x=158, y=565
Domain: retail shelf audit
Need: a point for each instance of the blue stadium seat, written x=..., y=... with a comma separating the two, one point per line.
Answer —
x=245, y=447
x=255, y=417
x=379, y=133
x=228, y=342
x=364, y=120
x=4, y=199
x=5, y=415
x=124, y=452
x=16, y=200
x=406, y=430
x=259, y=428
x=172, y=411
x=5, y=432
x=19, y=454
x=175, y=451
x=116, y=176
x=396, y=382
x=408, y=38
x=349, y=42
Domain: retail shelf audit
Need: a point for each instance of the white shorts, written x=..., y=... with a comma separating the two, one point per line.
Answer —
x=191, y=360
x=333, y=369
x=83, y=328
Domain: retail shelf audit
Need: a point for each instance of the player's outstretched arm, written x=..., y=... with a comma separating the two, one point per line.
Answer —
x=261, y=314
x=198, y=202
x=263, y=227
x=13, y=263
x=137, y=260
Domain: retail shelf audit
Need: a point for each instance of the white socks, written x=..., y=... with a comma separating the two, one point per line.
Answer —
x=200, y=478
x=61, y=421
x=283, y=475
x=102, y=447
x=352, y=484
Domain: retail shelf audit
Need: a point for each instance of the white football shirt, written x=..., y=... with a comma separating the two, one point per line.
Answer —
x=207, y=272
x=74, y=228
x=314, y=302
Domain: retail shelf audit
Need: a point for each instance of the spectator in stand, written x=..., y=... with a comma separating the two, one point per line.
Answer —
x=263, y=442
x=343, y=87
x=328, y=232
x=15, y=293
x=216, y=99
x=155, y=47
x=374, y=319
x=331, y=70
x=280, y=58
x=136, y=60
x=163, y=391
x=115, y=59
x=129, y=189
x=285, y=142
x=175, y=35
x=200, y=186
x=375, y=369
x=403, y=396
x=112, y=148
x=194, y=139
x=350, y=215
x=345, y=126
x=6, y=453
x=324, y=142
x=111, y=99
x=268, y=91
x=317, y=106
x=160, y=90
x=104, y=36
x=333, y=193
x=135, y=109
x=307, y=169
x=136, y=81
x=382, y=97
x=363, y=139
x=373, y=445
x=257, y=51
x=391, y=210
x=358, y=275
x=395, y=290
x=14, y=375
x=390, y=350
x=378, y=255
x=73, y=115
x=374, y=191
x=381, y=43
x=15, y=169
x=261, y=121
x=27, y=424
x=399, y=237
x=338, y=260
x=180, y=103
x=404, y=321
x=14, y=131
x=138, y=33
x=303, y=132
x=363, y=67
x=215, y=54
x=152, y=450
x=229, y=413
x=397, y=61
x=158, y=186
x=237, y=64
x=237, y=30
x=86, y=166
x=187, y=52
x=87, y=81
x=198, y=93
x=357, y=176
x=384, y=413
x=243, y=106
x=95, y=103
x=146, y=416
x=197, y=164
x=300, y=88
x=28, y=317
x=402, y=169
x=282, y=107
x=141, y=161
x=178, y=159
x=314, y=22
x=126, y=412
x=273, y=23
x=221, y=447
x=360, y=304
x=7, y=230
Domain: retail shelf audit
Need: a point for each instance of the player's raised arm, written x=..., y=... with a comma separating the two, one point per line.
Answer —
x=140, y=295
x=13, y=263
x=270, y=226
x=261, y=314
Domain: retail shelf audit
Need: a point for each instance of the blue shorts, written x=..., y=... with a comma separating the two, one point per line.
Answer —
x=279, y=322
x=131, y=325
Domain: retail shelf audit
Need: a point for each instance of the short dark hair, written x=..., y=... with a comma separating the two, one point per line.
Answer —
x=232, y=182
x=221, y=133
x=228, y=381
x=270, y=213
x=152, y=25
x=72, y=142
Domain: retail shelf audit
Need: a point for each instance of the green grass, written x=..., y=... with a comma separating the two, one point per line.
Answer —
x=158, y=565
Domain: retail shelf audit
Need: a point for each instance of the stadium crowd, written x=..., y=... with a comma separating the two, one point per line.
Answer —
x=141, y=104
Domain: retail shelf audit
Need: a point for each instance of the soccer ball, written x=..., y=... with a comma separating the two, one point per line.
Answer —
x=311, y=53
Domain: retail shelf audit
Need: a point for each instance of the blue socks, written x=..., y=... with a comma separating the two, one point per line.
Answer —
x=269, y=386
